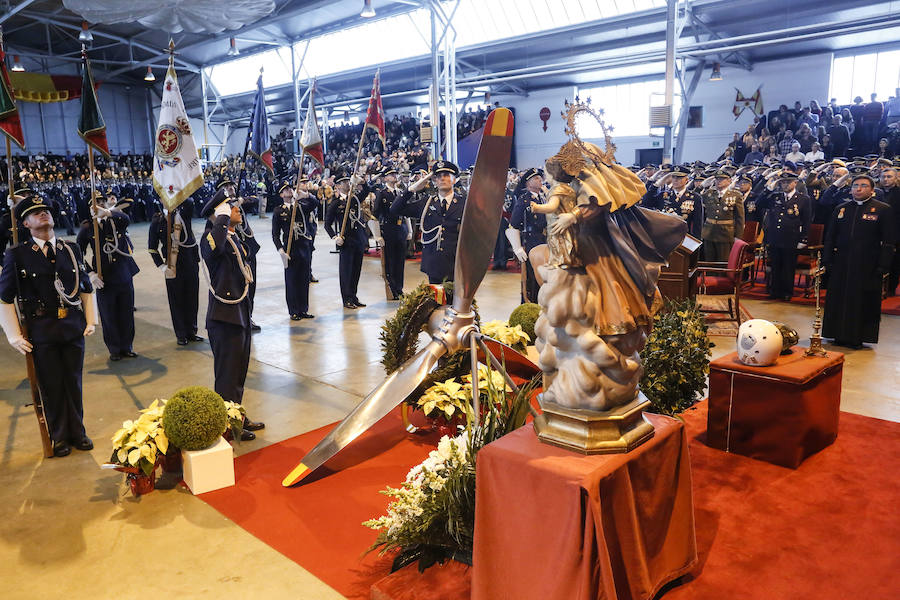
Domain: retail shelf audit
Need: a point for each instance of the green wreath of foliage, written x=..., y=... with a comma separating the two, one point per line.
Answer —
x=400, y=338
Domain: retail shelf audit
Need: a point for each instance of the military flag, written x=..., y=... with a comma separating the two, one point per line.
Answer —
x=91, y=126
x=260, y=144
x=375, y=114
x=176, y=164
x=310, y=137
x=742, y=103
x=10, y=124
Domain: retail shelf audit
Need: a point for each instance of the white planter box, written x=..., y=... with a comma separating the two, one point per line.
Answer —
x=210, y=469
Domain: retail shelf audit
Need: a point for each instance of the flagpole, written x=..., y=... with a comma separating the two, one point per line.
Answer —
x=96, y=219
x=362, y=139
x=12, y=213
x=294, y=203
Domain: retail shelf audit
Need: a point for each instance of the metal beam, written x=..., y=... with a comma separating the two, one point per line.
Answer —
x=741, y=57
x=15, y=9
x=686, y=96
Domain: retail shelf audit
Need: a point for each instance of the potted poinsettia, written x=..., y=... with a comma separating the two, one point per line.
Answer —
x=137, y=447
x=236, y=415
x=513, y=336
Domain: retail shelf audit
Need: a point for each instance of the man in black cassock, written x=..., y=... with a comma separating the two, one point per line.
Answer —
x=858, y=249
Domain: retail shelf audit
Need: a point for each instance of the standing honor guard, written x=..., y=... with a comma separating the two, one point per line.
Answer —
x=294, y=232
x=245, y=233
x=115, y=287
x=724, y=211
x=857, y=252
x=48, y=279
x=345, y=222
x=439, y=216
x=786, y=223
x=178, y=258
x=391, y=232
x=527, y=228
x=227, y=259
x=678, y=200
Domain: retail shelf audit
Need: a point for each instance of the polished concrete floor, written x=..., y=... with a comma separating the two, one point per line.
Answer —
x=69, y=530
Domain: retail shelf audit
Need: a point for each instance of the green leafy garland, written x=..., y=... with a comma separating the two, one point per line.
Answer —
x=400, y=338
x=676, y=358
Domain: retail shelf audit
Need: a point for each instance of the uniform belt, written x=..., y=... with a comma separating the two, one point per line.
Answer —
x=720, y=221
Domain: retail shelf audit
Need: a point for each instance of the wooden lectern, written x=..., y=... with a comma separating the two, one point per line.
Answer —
x=678, y=279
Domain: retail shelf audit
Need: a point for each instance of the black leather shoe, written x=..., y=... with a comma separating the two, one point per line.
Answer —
x=253, y=425
x=61, y=449
x=84, y=444
x=254, y=326
x=129, y=354
x=247, y=436
x=349, y=304
x=307, y=316
x=313, y=280
x=358, y=303
x=296, y=317
x=182, y=342
x=115, y=357
x=195, y=338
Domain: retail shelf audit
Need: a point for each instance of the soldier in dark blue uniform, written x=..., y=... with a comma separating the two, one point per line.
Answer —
x=245, y=233
x=227, y=259
x=675, y=198
x=440, y=216
x=297, y=264
x=50, y=281
x=115, y=288
x=528, y=229
x=182, y=282
x=785, y=225
x=355, y=239
x=391, y=231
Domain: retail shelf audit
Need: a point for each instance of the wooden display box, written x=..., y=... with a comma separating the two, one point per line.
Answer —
x=780, y=414
x=678, y=279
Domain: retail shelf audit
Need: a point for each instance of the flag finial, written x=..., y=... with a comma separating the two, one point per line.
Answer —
x=171, y=52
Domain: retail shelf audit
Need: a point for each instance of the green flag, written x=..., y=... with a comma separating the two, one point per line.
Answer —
x=91, y=126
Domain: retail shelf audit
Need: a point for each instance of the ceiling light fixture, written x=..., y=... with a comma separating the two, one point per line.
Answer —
x=85, y=36
x=367, y=12
x=17, y=66
x=716, y=74
x=233, y=49
x=150, y=77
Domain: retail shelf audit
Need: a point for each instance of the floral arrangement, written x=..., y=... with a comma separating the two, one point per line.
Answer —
x=432, y=515
x=451, y=397
x=139, y=443
x=513, y=336
x=236, y=415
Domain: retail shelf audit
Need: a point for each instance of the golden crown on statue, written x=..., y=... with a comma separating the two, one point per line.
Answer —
x=572, y=154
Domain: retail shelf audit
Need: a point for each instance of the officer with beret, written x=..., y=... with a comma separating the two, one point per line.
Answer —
x=528, y=229
x=227, y=261
x=115, y=280
x=723, y=208
x=297, y=261
x=785, y=225
x=48, y=278
x=245, y=233
x=857, y=253
x=440, y=217
x=390, y=230
x=182, y=281
x=352, y=240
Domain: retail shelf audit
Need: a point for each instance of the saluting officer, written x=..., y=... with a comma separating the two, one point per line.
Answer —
x=724, y=211
x=391, y=231
x=245, y=233
x=527, y=228
x=115, y=288
x=227, y=259
x=678, y=200
x=355, y=237
x=440, y=217
x=182, y=281
x=50, y=280
x=297, y=264
x=786, y=223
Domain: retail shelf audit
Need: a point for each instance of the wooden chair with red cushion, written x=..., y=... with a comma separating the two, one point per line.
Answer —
x=727, y=279
x=806, y=257
x=752, y=237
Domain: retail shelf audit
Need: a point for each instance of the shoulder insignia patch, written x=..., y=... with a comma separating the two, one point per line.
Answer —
x=212, y=242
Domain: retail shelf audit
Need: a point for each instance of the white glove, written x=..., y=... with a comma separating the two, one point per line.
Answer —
x=355, y=180
x=563, y=222
x=9, y=320
x=95, y=280
x=100, y=212
x=380, y=242
x=409, y=229
x=89, y=306
x=800, y=245
x=515, y=240
x=338, y=240
x=285, y=259
x=223, y=209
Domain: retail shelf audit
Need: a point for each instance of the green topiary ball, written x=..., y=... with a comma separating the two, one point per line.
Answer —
x=194, y=418
x=525, y=315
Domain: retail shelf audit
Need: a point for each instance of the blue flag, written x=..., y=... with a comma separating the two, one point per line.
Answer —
x=260, y=145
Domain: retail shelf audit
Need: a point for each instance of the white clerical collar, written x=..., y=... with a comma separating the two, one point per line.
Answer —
x=40, y=242
x=863, y=201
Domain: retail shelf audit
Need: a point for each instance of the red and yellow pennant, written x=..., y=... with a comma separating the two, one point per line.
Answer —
x=43, y=87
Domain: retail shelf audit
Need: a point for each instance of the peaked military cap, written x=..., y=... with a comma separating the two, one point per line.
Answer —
x=444, y=166
x=680, y=172
x=388, y=170
x=30, y=204
x=223, y=182
x=218, y=198
x=788, y=177
x=722, y=174
x=286, y=183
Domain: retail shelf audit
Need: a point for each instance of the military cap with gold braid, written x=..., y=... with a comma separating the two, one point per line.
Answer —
x=285, y=184
x=444, y=166
x=30, y=204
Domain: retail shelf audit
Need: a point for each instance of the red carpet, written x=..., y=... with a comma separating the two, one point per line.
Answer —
x=828, y=530
x=889, y=306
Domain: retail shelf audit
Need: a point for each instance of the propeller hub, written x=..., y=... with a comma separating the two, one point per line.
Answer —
x=452, y=328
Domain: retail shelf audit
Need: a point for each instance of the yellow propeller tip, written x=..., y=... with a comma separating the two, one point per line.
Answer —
x=295, y=476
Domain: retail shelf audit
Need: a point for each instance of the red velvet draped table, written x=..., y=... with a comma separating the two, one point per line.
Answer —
x=782, y=413
x=550, y=523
